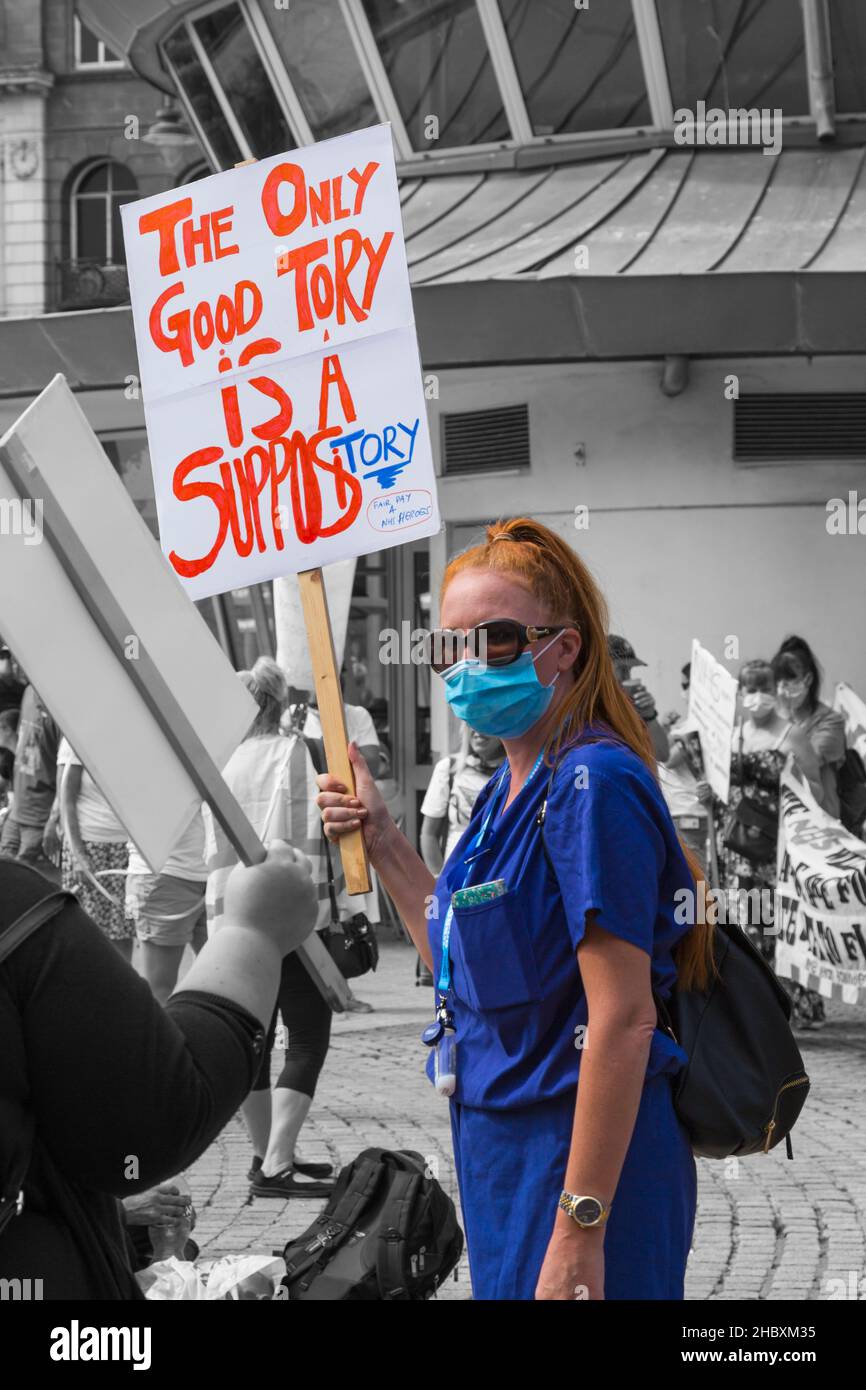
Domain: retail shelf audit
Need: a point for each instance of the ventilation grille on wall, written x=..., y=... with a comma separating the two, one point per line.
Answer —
x=485, y=441
x=805, y=425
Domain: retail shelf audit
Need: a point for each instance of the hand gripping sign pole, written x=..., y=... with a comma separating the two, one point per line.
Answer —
x=107, y=614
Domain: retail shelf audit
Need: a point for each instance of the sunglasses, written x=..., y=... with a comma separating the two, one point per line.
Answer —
x=498, y=642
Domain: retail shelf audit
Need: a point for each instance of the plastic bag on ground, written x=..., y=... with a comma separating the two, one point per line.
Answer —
x=237, y=1277
x=172, y=1279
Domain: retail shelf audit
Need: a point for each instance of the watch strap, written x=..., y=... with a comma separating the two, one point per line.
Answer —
x=569, y=1202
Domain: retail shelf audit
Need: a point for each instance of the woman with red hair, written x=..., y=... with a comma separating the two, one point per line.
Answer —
x=567, y=901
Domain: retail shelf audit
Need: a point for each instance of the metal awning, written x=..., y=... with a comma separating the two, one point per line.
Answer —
x=658, y=212
x=711, y=253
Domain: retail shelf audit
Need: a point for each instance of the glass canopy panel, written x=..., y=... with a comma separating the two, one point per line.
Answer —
x=200, y=95
x=735, y=53
x=439, y=67
x=848, y=38
x=241, y=74
x=322, y=65
x=579, y=69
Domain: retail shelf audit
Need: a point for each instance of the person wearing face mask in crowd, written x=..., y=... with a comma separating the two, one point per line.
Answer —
x=748, y=829
x=550, y=924
x=816, y=740
x=816, y=737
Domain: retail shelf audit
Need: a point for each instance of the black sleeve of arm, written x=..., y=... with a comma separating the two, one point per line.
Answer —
x=126, y=1093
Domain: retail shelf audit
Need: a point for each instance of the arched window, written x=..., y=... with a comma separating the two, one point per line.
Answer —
x=97, y=196
x=193, y=172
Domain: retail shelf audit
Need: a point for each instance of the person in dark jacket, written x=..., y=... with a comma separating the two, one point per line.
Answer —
x=103, y=1092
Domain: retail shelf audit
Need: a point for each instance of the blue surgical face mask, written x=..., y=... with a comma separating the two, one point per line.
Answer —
x=502, y=700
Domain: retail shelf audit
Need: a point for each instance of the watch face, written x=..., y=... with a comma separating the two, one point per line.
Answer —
x=587, y=1210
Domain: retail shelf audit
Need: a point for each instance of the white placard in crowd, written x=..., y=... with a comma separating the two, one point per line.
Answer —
x=86, y=683
x=293, y=654
x=853, y=711
x=282, y=387
x=713, y=712
x=821, y=898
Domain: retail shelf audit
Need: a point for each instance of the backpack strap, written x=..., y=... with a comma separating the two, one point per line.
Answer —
x=391, y=1270
x=12, y=1190
x=32, y=919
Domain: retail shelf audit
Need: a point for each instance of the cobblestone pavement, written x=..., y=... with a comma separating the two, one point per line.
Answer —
x=767, y=1228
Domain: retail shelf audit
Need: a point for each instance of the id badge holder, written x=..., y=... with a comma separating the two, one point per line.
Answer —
x=445, y=1063
x=441, y=1036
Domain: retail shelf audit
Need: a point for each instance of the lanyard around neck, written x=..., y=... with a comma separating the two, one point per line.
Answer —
x=473, y=850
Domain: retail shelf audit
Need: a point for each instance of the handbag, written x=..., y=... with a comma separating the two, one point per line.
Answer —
x=351, y=944
x=750, y=830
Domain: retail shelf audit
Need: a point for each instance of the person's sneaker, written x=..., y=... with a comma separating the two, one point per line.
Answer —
x=254, y=1168
x=314, y=1170
x=286, y=1184
x=358, y=1006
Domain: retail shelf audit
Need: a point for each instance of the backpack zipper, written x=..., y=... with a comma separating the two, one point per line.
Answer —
x=768, y=1128
x=323, y=1239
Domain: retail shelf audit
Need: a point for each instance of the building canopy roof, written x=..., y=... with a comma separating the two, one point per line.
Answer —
x=637, y=255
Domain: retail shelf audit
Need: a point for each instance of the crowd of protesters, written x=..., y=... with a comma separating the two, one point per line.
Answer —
x=57, y=821
x=781, y=716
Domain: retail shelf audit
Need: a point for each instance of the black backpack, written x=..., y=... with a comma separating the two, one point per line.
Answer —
x=851, y=785
x=744, y=1084
x=388, y=1231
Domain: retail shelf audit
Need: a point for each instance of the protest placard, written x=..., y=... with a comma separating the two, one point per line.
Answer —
x=282, y=388
x=122, y=659
x=820, y=899
x=279, y=365
x=85, y=679
x=713, y=711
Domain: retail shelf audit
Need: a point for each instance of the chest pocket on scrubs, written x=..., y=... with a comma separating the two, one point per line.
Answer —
x=492, y=955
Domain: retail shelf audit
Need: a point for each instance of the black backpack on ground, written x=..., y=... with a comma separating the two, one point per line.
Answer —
x=744, y=1085
x=387, y=1232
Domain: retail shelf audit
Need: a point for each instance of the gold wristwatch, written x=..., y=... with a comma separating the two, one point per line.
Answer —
x=585, y=1211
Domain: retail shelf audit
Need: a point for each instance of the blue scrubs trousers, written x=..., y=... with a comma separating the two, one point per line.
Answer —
x=510, y=1169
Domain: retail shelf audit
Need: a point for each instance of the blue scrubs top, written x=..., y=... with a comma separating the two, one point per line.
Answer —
x=516, y=991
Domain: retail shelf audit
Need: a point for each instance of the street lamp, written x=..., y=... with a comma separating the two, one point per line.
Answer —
x=170, y=133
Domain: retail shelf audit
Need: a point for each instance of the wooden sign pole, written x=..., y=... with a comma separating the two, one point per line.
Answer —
x=108, y=616
x=320, y=640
